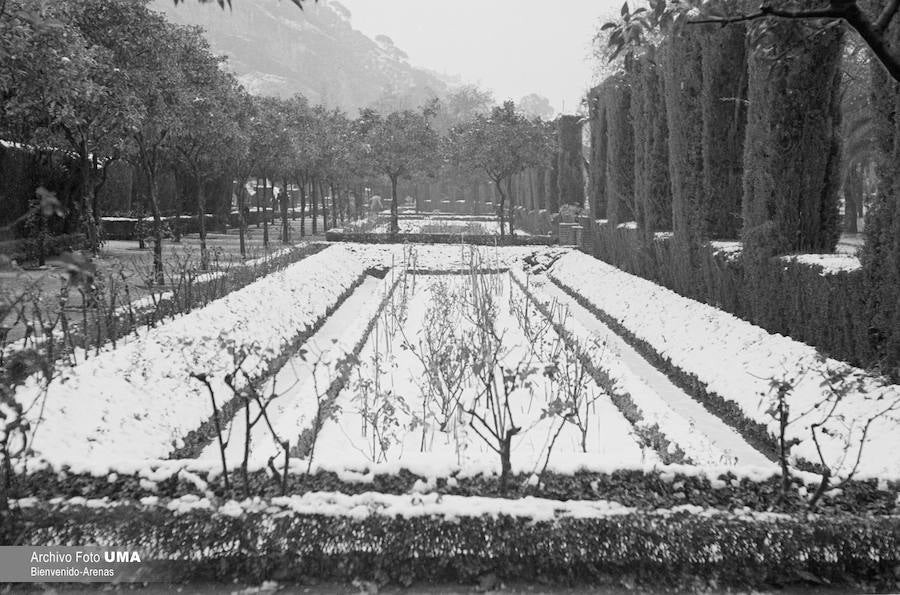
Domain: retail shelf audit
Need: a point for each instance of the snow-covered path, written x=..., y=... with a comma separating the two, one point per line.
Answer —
x=718, y=433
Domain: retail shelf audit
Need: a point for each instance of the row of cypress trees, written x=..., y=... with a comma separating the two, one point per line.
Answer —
x=735, y=133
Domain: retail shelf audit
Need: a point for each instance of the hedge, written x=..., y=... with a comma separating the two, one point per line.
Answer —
x=668, y=548
x=789, y=298
x=335, y=235
x=28, y=250
x=645, y=489
x=122, y=228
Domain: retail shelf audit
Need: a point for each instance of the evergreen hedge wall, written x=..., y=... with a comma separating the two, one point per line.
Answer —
x=724, y=109
x=674, y=549
x=652, y=187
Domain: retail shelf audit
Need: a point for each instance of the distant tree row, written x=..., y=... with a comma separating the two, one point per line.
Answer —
x=110, y=80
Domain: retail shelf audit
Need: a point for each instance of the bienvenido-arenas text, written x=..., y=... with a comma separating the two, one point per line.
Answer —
x=72, y=571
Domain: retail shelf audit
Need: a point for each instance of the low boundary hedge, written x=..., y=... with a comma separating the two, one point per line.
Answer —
x=439, y=238
x=28, y=249
x=646, y=489
x=675, y=549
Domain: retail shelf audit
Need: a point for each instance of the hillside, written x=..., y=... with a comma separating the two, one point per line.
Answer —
x=276, y=49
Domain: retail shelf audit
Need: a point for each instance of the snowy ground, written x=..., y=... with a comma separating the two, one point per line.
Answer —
x=436, y=225
x=127, y=408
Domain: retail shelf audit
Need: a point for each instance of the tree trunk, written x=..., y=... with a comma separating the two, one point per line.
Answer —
x=258, y=218
x=500, y=205
x=176, y=226
x=324, y=206
x=153, y=183
x=511, y=202
x=285, y=224
x=87, y=202
x=334, y=206
x=201, y=223
x=265, y=213
x=315, y=206
x=395, y=223
x=242, y=222
x=302, y=184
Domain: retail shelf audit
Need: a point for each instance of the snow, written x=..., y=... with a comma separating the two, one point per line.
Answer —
x=704, y=438
x=439, y=225
x=304, y=377
x=829, y=264
x=739, y=361
x=137, y=401
x=442, y=506
x=349, y=441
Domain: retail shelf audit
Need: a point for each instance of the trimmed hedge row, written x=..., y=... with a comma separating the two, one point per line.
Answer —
x=127, y=229
x=644, y=489
x=790, y=298
x=671, y=549
x=439, y=238
x=29, y=249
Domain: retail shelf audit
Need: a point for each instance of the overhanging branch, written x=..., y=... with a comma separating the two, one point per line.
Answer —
x=848, y=11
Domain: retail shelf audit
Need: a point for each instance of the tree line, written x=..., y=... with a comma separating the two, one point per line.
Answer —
x=726, y=120
x=111, y=80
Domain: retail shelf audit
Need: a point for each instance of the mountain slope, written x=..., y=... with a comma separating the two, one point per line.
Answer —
x=276, y=49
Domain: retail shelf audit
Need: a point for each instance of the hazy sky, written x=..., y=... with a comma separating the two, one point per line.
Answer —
x=513, y=47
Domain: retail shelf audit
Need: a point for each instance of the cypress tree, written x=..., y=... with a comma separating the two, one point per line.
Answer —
x=597, y=162
x=620, y=150
x=570, y=180
x=724, y=106
x=792, y=147
x=880, y=255
x=683, y=82
x=652, y=188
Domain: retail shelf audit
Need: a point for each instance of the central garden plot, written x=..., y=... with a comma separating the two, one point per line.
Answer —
x=462, y=372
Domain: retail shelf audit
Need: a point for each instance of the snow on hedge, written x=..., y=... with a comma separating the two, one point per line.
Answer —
x=376, y=504
x=739, y=361
x=446, y=257
x=138, y=401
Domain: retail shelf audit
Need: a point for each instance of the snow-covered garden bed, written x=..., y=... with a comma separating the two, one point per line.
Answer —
x=843, y=409
x=139, y=400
